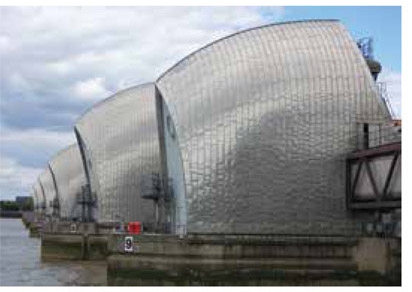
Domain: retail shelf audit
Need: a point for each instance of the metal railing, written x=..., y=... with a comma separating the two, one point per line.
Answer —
x=372, y=135
x=150, y=227
x=383, y=93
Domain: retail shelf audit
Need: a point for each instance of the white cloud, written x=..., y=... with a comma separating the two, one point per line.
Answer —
x=54, y=48
x=60, y=67
x=16, y=179
x=17, y=81
x=37, y=138
x=393, y=83
x=57, y=61
x=91, y=89
x=5, y=44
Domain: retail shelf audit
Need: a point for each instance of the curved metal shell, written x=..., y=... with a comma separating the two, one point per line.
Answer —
x=49, y=191
x=35, y=200
x=120, y=142
x=67, y=167
x=40, y=197
x=264, y=119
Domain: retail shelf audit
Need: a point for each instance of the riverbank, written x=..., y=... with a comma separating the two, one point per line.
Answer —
x=10, y=214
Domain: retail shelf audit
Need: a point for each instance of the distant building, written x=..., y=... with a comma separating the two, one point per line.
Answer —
x=24, y=202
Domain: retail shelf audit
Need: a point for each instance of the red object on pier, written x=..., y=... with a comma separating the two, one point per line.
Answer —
x=134, y=227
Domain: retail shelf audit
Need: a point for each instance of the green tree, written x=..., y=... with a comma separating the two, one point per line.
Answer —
x=9, y=205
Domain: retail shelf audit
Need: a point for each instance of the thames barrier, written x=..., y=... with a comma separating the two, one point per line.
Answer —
x=268, y=157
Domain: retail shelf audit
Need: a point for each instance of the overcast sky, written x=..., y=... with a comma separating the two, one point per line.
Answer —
x=57, y=62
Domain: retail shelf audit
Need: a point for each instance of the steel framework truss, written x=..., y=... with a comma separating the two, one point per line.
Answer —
x=382, y=197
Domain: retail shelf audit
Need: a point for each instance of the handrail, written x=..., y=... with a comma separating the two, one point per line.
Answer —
x=383, y=93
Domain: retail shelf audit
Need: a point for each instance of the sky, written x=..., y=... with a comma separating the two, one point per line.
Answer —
x=55, y=63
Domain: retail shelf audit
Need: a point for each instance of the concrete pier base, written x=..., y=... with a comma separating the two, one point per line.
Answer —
x=248, y=260
x=32, y=222
x=73, y=246
x=27, y=217
x=34, y=229
x=147, y=271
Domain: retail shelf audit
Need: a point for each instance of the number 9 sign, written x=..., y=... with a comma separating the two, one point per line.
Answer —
x=128, y=244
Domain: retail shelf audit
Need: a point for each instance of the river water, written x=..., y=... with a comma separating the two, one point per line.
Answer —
x=21, y=265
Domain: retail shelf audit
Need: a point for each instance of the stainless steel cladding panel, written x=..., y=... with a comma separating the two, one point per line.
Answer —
x=35, y=201
x=40, y=196
x=264, y=119
x=120, y=142
x=67, y=167
x=48, y=188
x=176, y=208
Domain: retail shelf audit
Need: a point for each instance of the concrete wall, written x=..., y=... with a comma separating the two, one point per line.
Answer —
x=73, y=246
x=252, y=260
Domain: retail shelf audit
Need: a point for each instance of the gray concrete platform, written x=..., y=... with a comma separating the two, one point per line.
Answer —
x=251, y=260
x=73, y=246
